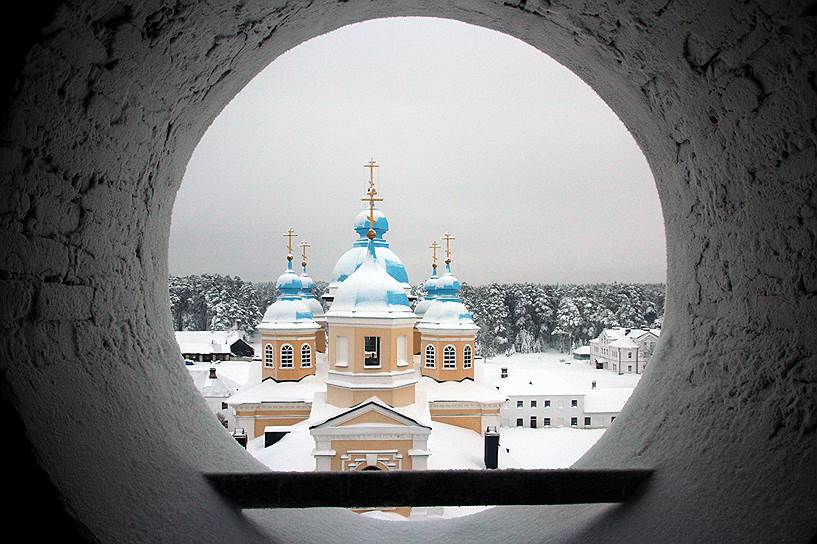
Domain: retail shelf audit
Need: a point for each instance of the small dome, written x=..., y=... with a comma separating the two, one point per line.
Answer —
x=371, y=290
x=288, y=313
x=289, y=284
x=447, y=314
x=381, y=224
x=315, y=307
x=447, y=286
x=307, y=285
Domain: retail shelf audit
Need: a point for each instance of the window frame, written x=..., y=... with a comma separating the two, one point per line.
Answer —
x=430, y=349
x=447, y=364
x=467, y=356
x=308, y=349
x=269, y=356
x=378, y=362
x=291, y=355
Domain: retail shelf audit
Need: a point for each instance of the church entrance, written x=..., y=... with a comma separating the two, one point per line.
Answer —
x=372, y=467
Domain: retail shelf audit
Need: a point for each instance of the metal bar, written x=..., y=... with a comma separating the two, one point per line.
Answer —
x=427, y=487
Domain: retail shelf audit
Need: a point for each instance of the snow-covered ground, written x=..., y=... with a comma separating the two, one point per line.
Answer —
x=551, y=365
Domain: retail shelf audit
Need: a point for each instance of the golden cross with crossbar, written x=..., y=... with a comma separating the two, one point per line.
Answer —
x=371, y=165
x=304, y=244
x=289, y=235
x=434, y=246
x=447, y=238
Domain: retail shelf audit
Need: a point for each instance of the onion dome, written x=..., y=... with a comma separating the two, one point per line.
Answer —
x=289, y=311
x=430, y=287
x=370, y=291
x=354, y=257
x=446, y=310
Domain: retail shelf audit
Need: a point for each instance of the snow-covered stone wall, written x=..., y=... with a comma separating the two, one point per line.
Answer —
x=107, y=106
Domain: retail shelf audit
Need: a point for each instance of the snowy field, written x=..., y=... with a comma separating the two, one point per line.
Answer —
x=561, y=366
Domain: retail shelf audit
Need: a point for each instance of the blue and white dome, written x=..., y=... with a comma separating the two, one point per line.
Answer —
x=447, y=311
x=353, y=258
x=289, y=311
x=370, y=291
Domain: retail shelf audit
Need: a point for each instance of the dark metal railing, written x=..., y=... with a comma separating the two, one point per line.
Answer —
x=428, y=487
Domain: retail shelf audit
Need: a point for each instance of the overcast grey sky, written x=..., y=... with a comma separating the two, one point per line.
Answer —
x=476, y=133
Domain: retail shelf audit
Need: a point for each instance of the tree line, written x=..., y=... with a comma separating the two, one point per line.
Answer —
x=512, y=317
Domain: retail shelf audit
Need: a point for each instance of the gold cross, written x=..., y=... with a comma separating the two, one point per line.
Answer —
x=289, y=234
x=371, y=165
x=434, y=246
x=447, y=238
x=304, y=244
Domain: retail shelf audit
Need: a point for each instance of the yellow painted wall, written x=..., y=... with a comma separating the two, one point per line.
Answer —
x=356, y=336
x=438, y=372
x=287, y=374
x=473, y=423
x=343, y=396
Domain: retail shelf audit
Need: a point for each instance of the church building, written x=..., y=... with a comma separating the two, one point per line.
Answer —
x=391, y=374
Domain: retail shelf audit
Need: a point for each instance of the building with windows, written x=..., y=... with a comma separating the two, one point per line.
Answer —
x=369, y=403
x=212, y=346
x=624, y=350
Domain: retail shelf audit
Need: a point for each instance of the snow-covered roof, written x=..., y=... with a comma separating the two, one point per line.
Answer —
x=218, y=387
x=207, y=342
x=607, y=400
x=367, y=405
x=370, y=292
x=518, y=385
x=465, y=391
x=621, y=332
x=625, y=342
x=272, y=391
x=582, y=350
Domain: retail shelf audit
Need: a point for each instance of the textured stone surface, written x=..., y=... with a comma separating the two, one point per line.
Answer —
x=107, y=107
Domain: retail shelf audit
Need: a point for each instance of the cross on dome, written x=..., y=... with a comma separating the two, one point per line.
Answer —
x=304, y=245
x=289, y=235
x=434, y=247
x=371, y=197
x=448, y=238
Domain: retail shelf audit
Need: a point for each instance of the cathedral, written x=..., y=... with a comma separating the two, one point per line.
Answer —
x=370, y=379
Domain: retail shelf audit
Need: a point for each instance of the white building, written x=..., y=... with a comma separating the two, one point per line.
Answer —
x=622, y=350
x=554, y=403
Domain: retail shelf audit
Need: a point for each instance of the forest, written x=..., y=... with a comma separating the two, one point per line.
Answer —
x=512, y=317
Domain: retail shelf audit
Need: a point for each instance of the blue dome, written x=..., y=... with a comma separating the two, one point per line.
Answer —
x=289, y=284
x=307, y=285
x=381, y=224
x=447, y=286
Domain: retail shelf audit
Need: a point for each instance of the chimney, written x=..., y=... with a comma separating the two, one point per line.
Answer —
x=491, y=447
x=240, y=436
x=503, y=372
x=212, y=373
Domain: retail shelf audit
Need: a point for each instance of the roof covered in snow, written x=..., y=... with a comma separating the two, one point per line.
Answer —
x=625, y=342
x=371, y=291
x=582, y=350
x=272, y=391
x=464, y=391
x=218, y=387
x=290, y=311
x=207, y=342
x=608, y=400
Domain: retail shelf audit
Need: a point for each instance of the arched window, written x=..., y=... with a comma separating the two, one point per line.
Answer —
x=450, y=357
x=269, y=355
x=306, y=356
x=467, y=359
x=430, y=356
x=287, y=356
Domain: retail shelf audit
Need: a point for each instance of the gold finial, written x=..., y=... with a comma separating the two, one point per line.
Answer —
x=448, y=238
x=304, y=244
x=434, y=246
x=289, y=235
x=371, y=198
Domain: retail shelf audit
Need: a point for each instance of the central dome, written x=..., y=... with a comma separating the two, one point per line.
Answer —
x=350, y=261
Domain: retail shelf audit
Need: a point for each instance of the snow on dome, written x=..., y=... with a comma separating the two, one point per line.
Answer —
x=290, y=311
x=447, y=314
x=430, y=286
x=381, y=224
x=371, y=291
x=308, y=295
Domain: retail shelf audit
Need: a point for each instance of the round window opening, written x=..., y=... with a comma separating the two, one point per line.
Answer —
x=409, y=234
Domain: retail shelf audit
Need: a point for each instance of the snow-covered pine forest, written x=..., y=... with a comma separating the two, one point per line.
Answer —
x=516, y=317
